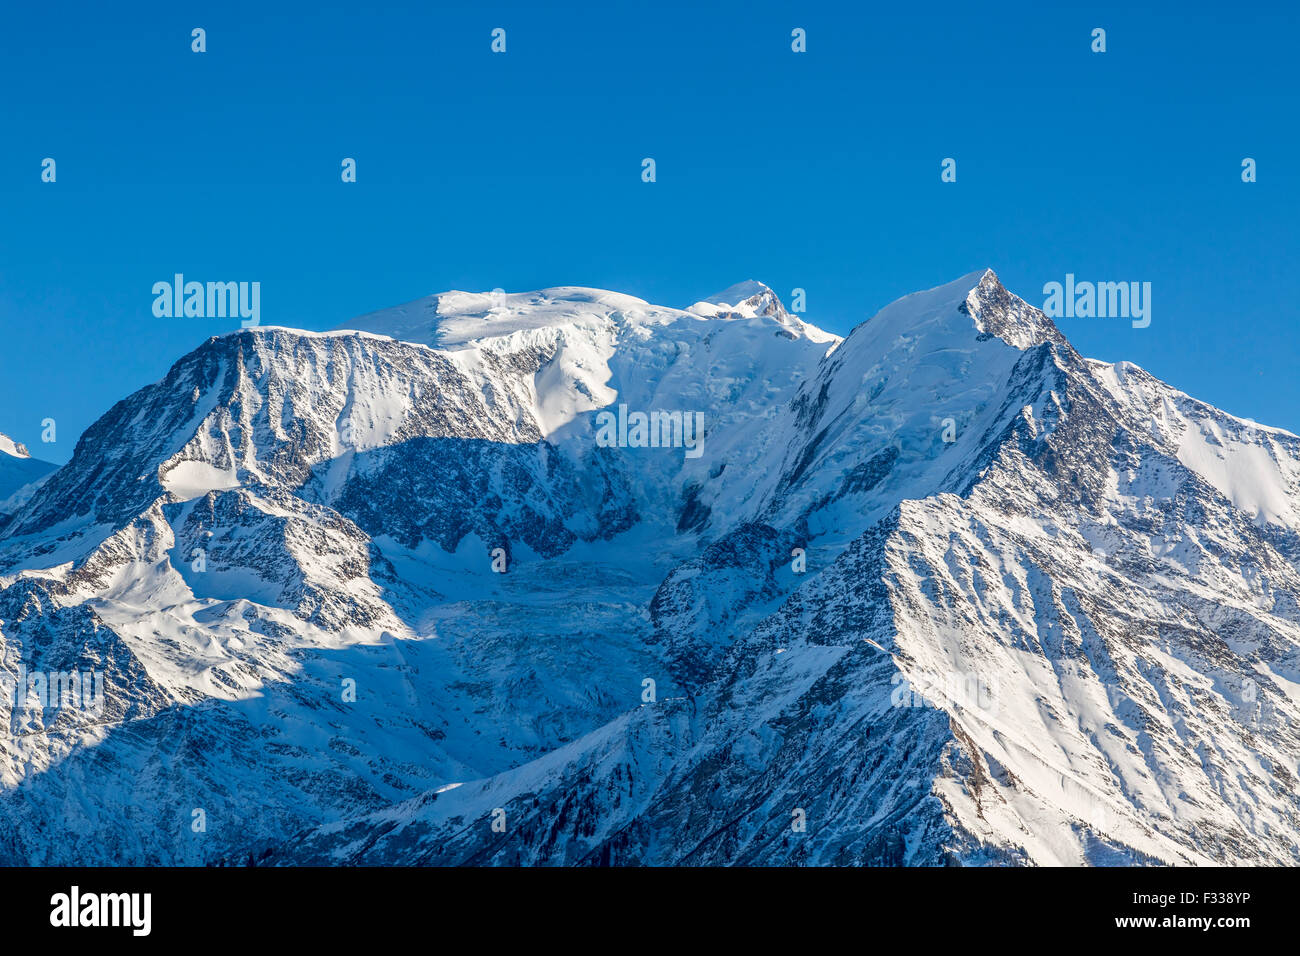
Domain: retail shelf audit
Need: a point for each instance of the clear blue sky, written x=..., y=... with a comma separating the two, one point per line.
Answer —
x=476, y=170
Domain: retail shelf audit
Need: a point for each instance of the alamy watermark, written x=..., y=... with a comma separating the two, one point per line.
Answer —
x=210, y=300
x=656, y=429
x=55, y=690
x=76, y=909
x=1102, y=300
x=967, y=689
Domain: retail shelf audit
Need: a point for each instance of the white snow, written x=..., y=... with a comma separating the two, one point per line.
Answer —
x=192, y=479
x=12, y=448
x=1254, y=466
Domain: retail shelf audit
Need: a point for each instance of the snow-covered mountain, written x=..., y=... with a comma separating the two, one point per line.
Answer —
x=20, y=474
x=422, y=590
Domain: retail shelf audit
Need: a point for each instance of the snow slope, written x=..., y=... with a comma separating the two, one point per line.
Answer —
x=19, y=475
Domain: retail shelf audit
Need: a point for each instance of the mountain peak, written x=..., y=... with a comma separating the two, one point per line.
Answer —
x=735, y=294
x=748, y=299
x=20, y=474
x=752, y=299
x=454, y=320
x=998, y=312
x=12, y=448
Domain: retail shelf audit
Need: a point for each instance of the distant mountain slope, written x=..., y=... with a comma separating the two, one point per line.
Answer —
x=19, y=473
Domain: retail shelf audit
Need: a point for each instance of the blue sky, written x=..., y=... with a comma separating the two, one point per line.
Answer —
x=478, y=170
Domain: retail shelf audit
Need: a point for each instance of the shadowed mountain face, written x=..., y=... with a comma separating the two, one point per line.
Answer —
x=453, y=586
